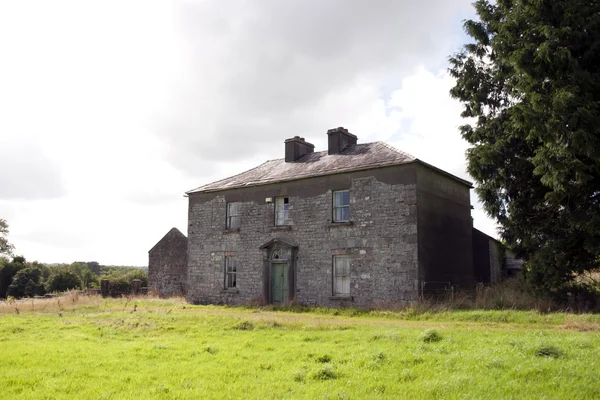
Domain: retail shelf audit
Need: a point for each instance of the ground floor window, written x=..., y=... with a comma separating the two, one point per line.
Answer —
x=341, y=276
x=230, y=272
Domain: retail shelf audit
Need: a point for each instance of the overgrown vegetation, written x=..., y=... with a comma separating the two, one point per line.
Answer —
x=88, y=347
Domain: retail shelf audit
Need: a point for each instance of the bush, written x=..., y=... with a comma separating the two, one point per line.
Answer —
x=122, y=283
x=119, y=285
x=63, y=280
x=431, y=335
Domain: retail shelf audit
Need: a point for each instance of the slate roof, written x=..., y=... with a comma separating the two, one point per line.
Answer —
x=172, y=234
x=352, y=158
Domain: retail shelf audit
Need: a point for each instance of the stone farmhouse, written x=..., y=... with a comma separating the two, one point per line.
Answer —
x=359, y=223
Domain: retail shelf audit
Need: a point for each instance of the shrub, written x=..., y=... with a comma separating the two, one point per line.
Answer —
x=63, y=280
x=120, y=283
x=431, y=335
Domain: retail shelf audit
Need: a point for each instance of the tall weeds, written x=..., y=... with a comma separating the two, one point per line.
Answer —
x=69, y=300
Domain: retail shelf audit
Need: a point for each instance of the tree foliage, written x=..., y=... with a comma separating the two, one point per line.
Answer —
x=63, y=280
x=27, y=282
x=5, y=246
x=530, y=84
x=8, y=270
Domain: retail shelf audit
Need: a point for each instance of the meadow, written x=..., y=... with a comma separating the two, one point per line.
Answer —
x=86, y=347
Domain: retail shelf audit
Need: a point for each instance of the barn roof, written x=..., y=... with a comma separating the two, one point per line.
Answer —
x=174, y=233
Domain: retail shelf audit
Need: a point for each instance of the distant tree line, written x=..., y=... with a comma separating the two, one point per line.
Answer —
x=20, y=278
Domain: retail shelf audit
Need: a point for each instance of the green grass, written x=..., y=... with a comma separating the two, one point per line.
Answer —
x=170, y=350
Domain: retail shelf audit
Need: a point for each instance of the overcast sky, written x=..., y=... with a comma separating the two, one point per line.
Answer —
x=111, y=110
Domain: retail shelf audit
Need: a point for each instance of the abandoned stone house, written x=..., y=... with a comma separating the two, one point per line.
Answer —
x=364, y=224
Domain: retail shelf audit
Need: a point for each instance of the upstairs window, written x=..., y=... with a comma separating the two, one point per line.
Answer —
x=341, y=276
x=230, y=272
x=341, y=206
x=282, y=206
x=233, y=215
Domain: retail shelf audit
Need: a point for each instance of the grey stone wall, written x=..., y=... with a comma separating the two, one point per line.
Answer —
x=167, y=265
x=445, y=229
x=381, y=240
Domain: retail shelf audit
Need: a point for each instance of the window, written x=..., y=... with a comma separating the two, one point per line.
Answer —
x=233, y=215
x=230, y=272
x=282, y=206
x=341, y=276
x=341, y=206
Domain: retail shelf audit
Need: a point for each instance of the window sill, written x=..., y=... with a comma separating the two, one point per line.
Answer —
x=342, y=298
x=281, y=228
x=230, y=291
x=232, y=230
x=336, y=224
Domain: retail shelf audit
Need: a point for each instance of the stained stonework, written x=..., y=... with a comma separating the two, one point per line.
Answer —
x=381, y=240
x=167, y=265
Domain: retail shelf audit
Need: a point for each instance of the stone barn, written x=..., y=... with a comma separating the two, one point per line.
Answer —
x=167, y=265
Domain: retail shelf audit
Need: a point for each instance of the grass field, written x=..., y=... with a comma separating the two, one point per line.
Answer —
x=90, y=348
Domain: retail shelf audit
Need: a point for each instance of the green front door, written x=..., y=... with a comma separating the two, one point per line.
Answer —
x=279, y=283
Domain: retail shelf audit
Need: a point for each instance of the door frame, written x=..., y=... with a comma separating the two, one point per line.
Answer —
x=279, y=251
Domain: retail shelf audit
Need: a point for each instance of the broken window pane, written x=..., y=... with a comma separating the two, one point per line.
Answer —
x=230, y=272
x=282, y=211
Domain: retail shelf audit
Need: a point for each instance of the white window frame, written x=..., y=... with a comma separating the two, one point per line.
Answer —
x=282, y=211
x=230, y=273
x=341, y=275
x=340, y=207
x=233, y=215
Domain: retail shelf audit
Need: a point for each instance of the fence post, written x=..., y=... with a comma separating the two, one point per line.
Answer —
x=137, y=284
x=104, y=287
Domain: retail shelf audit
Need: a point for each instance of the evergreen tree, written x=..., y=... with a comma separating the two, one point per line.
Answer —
x=530, y=84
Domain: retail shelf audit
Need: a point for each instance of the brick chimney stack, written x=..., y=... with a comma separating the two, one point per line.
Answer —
x=339, y=139
x=297, y=147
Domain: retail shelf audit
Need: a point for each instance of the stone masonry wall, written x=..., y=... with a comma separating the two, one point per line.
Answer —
x=167, y=265
x=381, y=241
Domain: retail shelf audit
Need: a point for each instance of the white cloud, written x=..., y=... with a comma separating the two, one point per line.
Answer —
x=110, y=110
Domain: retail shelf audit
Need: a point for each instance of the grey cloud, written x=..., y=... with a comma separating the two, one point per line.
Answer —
x=259, y=69
x=27, y=173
